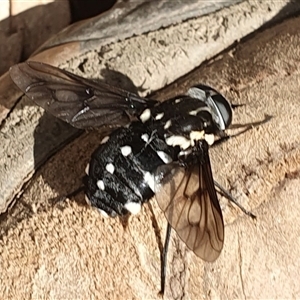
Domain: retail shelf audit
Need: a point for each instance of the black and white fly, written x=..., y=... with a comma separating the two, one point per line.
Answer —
x=158, y=149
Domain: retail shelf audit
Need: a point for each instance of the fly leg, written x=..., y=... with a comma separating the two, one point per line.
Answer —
x=164, y=257
x=233, y=200
x=224, y=137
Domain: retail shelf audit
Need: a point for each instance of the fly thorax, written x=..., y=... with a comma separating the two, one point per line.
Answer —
x=187, y=130
x=189, y=141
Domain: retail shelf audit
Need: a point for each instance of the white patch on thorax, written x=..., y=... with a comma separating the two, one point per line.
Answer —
x=159, y=116
x=145, y=116
x=210, y=139
x=164, y=157
x=177, y=140
x=149, y=178
x=133, y=207
x=196, y=136
x=168, y=124
x=110, y=168
x=100, y=185
x=104, y=140
x=195, y=112
x=126, y=150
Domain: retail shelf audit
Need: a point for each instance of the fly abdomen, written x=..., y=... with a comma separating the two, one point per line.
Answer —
x=121, y=172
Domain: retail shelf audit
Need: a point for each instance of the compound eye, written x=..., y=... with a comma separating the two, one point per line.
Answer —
x=224, y=108
x=220, y=108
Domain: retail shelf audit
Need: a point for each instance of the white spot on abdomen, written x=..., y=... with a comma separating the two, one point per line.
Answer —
x=87, y=199
x=145, y=116
x=87, y=169
x=164, y=157
x=104, y=140
x=145, y=137
x=159, y=116
x=110, y=168
x=133, y=207
x=168, y=124
x=126, y=150
x=103, y=213
x=100, y=185
x=149, y=178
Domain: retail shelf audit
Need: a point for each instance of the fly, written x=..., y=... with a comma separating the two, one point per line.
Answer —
x=159, y=149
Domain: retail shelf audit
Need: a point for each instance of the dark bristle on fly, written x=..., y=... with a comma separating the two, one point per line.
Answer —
x=159, y=149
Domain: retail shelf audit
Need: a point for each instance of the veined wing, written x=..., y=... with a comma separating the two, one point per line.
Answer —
x=81, y=102
x=189, y=200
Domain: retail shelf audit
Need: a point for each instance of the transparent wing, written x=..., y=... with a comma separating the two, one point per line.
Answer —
x=81, y=102
x=189, y=201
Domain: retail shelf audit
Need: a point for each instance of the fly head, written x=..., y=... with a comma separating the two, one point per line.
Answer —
x=220, y=108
